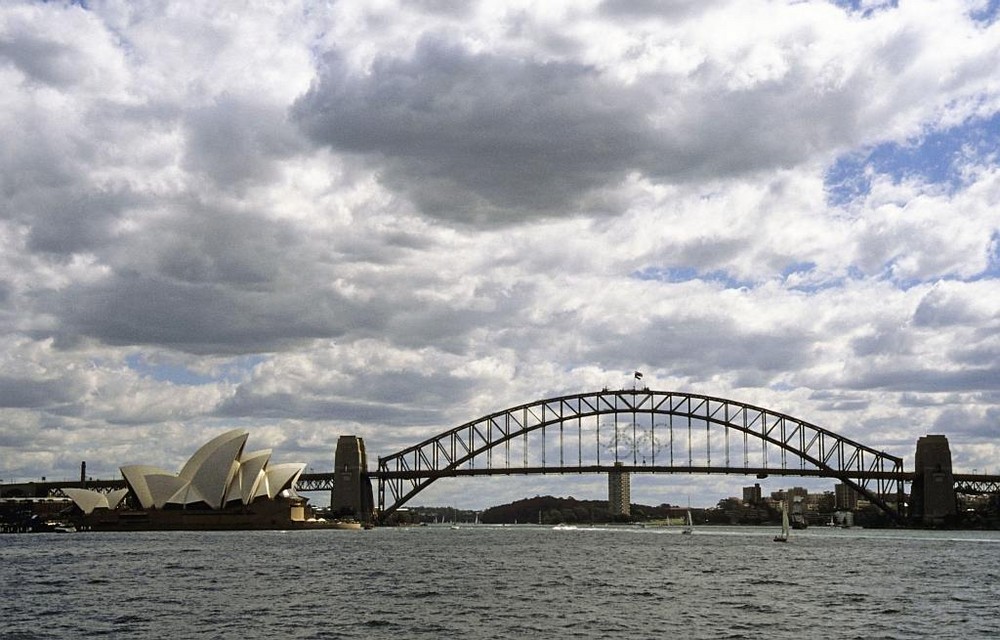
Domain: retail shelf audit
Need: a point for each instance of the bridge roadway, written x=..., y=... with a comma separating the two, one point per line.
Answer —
x=965, y=483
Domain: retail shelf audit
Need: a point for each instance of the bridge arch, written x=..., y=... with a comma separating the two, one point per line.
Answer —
x=642, y=431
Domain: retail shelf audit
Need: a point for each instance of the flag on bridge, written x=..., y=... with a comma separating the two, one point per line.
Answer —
x=638, y=375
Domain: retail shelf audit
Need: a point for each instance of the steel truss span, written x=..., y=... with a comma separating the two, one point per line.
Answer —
x=641, y=431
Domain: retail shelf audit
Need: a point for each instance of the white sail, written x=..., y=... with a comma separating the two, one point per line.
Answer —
x=689, y=526
x=783, y=536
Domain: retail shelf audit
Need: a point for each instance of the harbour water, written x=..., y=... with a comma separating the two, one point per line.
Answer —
x=502, y=582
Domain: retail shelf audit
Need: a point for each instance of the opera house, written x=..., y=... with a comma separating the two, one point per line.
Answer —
x=220, y=487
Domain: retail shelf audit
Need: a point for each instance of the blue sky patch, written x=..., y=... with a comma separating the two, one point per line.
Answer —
x=993, y=268
x=808, y=284
x=859, y=6
x=798, y=267
x=687, y=274
x=936, y=158
x=165, y=372
x=988, y=13
x=178, y=374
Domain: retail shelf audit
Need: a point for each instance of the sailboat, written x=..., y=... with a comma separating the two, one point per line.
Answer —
x=783, y=536
x=689, y=525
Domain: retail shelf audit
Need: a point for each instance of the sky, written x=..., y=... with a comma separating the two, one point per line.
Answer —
x=387, y=219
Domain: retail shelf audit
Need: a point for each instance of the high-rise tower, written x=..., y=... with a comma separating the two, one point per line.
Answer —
x=619, y=492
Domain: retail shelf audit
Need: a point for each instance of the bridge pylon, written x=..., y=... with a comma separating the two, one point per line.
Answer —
x=351, y=495
x=932, y=494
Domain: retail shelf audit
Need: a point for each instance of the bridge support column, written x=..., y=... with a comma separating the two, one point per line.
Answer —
x=352, y=489
x=932, y=495
x=619, y=493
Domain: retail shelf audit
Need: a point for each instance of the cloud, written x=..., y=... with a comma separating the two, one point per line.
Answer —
x=949, y=304
x=499, y=136
x=236, y=142
x=27, y=393
x=473, y=136
x=61, y=47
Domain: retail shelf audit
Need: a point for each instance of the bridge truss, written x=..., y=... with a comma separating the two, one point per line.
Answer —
x=976, y=484
x=641, y=431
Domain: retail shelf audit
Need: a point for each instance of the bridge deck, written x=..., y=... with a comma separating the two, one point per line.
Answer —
x=965, y=483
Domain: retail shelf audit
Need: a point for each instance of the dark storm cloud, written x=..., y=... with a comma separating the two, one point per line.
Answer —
x=280, y=406
x=942, y=308
x=69, y=221
x=204, y=317
x=201, y=278
x=967, y=424
x=468, y=135
x=235, y=141
x=276, y=406
x=702, y=347
x=838, y=401
x=670, y=9
x=963, y=380
x=34, y=394
x=43, y=191
x=488, y=137
x=980, y=354
x=42, y=60
x=203, y=244
x=451, y=8
x=406, y=398
x=889, y=341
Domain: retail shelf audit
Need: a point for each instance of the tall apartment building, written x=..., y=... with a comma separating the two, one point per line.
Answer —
x=752, y=495
x=619, y=492
x=845, y=497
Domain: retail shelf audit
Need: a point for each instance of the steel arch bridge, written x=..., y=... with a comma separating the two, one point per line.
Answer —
x=641, y=431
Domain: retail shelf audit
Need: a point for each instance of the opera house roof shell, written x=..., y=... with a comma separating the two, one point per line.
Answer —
x=219, y=475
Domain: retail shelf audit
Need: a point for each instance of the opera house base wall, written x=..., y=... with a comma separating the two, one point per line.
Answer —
x=277, y=514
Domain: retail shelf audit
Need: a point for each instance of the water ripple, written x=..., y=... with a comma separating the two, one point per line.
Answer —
x=510, y=582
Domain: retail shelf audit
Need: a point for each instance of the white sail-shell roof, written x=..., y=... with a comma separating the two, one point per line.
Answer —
x=212, y=467
x=163, y=487
x=135, y=476
x=187, y=494
x=199, y=457
x=246, y=480
x=218, y=473
x=115, y=497
x=282, y=476
x=88, y=499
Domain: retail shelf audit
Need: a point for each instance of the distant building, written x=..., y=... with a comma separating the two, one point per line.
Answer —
x=800, y=492
x=752, y=495
x=619, y=492
x=20, y=515
x=845, y=497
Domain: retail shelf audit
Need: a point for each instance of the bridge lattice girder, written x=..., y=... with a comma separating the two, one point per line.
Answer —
x=564, y=435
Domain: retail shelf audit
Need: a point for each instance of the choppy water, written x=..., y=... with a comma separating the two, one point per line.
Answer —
x=501, y=582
